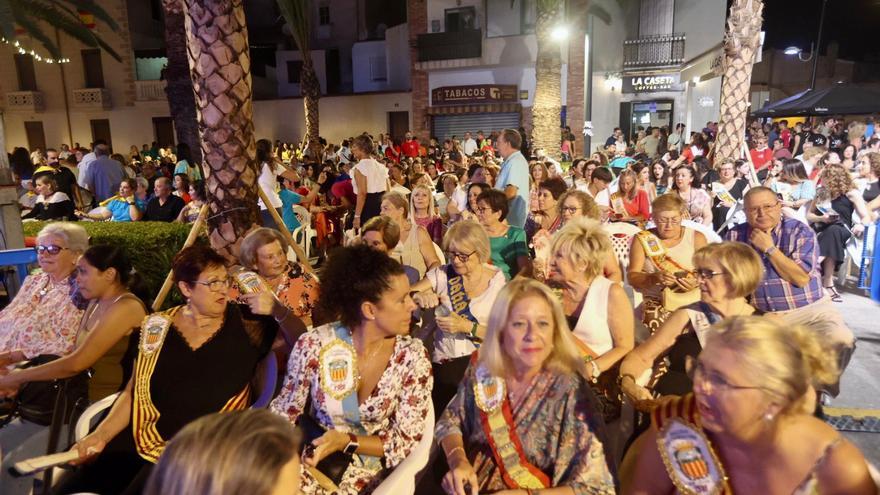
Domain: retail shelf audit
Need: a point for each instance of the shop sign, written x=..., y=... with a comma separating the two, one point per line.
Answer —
x=651, y=83
x=480, y=93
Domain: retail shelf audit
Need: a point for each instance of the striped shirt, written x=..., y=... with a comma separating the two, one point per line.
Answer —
x=797, y=241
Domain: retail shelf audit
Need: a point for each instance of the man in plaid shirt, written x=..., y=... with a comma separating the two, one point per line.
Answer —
x=792, y=285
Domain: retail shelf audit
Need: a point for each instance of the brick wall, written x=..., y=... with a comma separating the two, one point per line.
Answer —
x=417, y=19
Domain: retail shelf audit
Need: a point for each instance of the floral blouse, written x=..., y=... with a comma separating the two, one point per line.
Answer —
x=298, y=291
x=696, y=201
x=43, y=318
x=395, y=411
x=556, y=424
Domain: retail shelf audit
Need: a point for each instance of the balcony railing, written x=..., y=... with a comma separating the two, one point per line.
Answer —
x=665, y=50
x=149, y=90
x=447, y=46
x=25, y=101
x=92, y=98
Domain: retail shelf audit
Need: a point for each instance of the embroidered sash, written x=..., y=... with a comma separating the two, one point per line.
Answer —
x=457, y=295
x=688, y=456
x=496, y=418
x=723, y=194
x=339, y=378
x=618, y=205
x=657, y=253
x=147, y=439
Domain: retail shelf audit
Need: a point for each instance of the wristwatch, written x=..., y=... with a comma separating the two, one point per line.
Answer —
x=769, y=251
x=352, y=446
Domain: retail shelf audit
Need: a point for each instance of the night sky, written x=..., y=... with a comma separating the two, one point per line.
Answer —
x=854, y=24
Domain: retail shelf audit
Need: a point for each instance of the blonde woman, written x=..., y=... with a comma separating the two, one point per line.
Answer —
x=752, y=403
x=529, y=377
x=253, y=451
x=831, y=216
x=727, y=272
x=415, y=248
x=424, y=215
x=630, y=203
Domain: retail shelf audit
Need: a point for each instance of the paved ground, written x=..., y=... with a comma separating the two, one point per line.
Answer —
x=860, y=387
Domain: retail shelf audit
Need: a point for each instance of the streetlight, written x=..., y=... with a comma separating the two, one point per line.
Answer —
x=814, y=54
x=559, y=33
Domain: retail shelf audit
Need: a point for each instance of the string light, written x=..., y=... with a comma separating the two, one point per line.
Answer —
x=16, y=45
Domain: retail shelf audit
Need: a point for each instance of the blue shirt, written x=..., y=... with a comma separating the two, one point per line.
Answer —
x=515, y=172
x=103, y=177
x=288, y=199
x=120, y=211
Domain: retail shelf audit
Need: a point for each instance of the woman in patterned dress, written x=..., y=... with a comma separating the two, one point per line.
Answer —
x=362, y=379
x=529, y=379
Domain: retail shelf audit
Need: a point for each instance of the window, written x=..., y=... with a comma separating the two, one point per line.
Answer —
x=324, y=15
x=510, y=17
x=294, y=67
x=377, y=69
x=24, y=68
x=92, y=68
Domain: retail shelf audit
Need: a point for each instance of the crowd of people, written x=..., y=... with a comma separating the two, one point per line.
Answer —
x=643, y=320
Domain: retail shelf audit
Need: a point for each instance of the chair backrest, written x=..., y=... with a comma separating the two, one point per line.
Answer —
x=621, y=235
x=265, y=380
x=84, y=423
x=303, y=215
x=402, y=480
x=706, y=230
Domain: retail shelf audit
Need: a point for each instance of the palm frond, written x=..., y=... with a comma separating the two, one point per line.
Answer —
x=33, y=29
x=59, y=14
x=296, y=15
x=96, y=10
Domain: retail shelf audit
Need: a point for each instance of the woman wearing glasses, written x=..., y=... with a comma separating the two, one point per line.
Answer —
x=462, y=293
x=747, y=426
x=509, y=250
x=192, y=360
x=661, y=259
x=727, y=272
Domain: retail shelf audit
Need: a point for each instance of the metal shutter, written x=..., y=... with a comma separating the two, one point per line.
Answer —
x=446, y=126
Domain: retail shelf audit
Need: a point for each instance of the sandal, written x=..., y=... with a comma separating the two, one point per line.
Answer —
x=832, y=291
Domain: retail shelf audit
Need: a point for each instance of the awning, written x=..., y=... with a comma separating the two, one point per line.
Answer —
x=839, y=99
x=483, y=108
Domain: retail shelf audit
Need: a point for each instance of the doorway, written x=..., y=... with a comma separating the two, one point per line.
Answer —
x=93, y=70
x=398, y=124
x=163, y=130
x=101, y=130
x=645, y=114
x=36, y=137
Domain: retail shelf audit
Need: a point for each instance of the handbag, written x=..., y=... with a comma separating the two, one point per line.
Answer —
x=36, y=402
x=673, y=300
x=334, y=465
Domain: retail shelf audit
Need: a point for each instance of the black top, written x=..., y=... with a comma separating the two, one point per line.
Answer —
x=58, y=210
x=872, y=191
x=187, y=384
x=164, y=213
x=719, y=211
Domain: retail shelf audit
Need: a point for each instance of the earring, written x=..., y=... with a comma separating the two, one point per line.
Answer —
x=187, y=309
x=768, y=417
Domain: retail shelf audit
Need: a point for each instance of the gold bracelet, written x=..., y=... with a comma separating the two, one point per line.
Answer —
x=449, y=454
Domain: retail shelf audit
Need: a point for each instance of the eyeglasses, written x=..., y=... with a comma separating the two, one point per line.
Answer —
x=215, y=285
x=711, y=382
x=461, y=257
x=706, y=273
x=667, y=221
x=51, y=249
x=762, y=208
x=483, y=209
x=570, y=209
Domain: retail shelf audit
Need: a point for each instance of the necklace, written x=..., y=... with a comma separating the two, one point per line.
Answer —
x=46, y=288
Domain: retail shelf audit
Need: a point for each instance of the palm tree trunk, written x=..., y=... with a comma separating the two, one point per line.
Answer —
x=219, y=63
x=179, y=88
x=740, y=43
x=310, y=88
x=547, y=106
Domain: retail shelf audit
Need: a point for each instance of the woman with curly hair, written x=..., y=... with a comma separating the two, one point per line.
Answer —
x=831, y=216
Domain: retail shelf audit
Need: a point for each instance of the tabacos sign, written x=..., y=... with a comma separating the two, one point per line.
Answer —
x=649, y=83
x=480, y=93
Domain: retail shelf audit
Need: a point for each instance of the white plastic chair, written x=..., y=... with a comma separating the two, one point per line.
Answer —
x=706, y=230
x=305, y=233
x=402, y=480
x=622, y=235
x=84, y=423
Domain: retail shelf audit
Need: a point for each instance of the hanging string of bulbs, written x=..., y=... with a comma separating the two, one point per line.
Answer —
x=39, y=58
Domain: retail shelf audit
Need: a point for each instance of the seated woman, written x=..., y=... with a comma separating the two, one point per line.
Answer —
x=470, y=194
x=421, y=204
x=728, y=272
x=598, y=310
x=360, y=385
x=573, y=205
x=181, y=187
x=509, y=250
x=752, y=403
x=545, y=221
x=265, y=252
x=192, y=360
x=104, y=277
x=415, y=248
x=661, y=259
x=119, y=208
x=253, y=452
x=190, y=211
x=51, y=204
x=529, y=382
x=630, y=203
x=462, y=293
x=44, y=315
